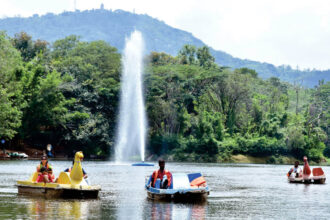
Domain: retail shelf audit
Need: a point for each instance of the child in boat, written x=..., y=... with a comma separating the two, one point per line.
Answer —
x=51, y=176
x=43, y=176
x=165, y=176
x=295, y=170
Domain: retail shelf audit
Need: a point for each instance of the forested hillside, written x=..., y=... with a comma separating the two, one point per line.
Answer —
x=113, y=26
x=66, y=93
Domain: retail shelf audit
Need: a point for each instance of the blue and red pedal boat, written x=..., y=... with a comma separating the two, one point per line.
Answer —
x=190, y=187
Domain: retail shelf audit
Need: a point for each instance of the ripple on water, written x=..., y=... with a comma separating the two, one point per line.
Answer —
x=237, y=192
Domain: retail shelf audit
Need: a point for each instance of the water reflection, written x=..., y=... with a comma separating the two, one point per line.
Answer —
x=38, y=209
x=168, y=211
x=62, y=209
x=306, y=188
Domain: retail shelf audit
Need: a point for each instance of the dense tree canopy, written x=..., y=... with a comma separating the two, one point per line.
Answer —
x=67, y=94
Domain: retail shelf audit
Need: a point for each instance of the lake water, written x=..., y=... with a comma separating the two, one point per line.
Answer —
x=237, y=192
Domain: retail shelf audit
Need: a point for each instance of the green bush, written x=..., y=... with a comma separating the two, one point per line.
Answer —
x=260, y=146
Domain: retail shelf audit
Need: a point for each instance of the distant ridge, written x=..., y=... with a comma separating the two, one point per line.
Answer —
x=114, y=26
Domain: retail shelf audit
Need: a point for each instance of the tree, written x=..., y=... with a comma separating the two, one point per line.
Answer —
x=233, y=91
x=318, y=114
x=162, y=58
x=28, y=48
x=62, y=47
x=91, y=73
x=46, y=110
x=297, y=88
x=11, y=98
x=187, y=55
x=10, y=116
x=23, y=42
x=40, y=46
x=248, y=71
x=204, y=57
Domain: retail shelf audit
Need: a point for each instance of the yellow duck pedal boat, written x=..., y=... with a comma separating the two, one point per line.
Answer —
x=68, y=185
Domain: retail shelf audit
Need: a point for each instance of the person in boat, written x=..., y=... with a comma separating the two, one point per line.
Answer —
x=43, y=176
x=44, y=163
x=70, y=168
x=296, y=170
x=51, y=176
x=165, y=176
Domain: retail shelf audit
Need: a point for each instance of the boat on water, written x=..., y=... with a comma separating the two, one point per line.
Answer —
x=142, y=164
x=317, y=177
x=68, y=184
x=184, y=188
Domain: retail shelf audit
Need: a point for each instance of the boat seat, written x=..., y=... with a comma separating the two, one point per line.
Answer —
x=34, y=177
x=318, y=171
x=180, y=181
x=196, y=179
x=193, y=176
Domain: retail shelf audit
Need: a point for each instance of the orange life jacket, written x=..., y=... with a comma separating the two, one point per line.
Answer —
x=167, y=173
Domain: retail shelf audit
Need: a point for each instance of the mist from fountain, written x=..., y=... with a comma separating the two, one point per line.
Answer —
x=131, y=131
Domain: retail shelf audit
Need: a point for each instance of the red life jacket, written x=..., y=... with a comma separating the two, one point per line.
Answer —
x=167, y=173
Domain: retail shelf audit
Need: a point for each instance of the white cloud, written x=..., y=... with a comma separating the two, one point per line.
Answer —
x=8, y=9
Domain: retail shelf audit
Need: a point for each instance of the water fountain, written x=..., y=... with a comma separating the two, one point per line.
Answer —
x=130, y=140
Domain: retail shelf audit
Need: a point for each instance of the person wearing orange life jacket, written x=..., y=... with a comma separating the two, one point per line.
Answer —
x=44, y=163
x=159, y=174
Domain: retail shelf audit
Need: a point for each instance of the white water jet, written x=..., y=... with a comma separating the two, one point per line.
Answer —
x=132, y=120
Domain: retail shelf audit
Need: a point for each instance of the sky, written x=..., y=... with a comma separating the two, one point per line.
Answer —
x=281, y=32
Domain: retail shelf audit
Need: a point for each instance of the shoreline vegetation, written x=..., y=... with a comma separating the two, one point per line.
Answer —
x=247, y=159
x=67, y=93
x=235, y=159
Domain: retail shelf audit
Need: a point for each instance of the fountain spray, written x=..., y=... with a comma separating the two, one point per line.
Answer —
x=132, y=120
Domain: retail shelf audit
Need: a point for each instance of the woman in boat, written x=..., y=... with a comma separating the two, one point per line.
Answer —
x=44, y=163
x=295, y=170
x=159, y=174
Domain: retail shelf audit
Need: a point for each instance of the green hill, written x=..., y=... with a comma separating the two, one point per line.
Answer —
x=114, y=26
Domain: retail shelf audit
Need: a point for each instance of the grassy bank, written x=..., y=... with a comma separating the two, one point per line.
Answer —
x=240, y=159
x=262, y=160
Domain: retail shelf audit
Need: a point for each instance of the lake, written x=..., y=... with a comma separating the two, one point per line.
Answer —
x=247, y=191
